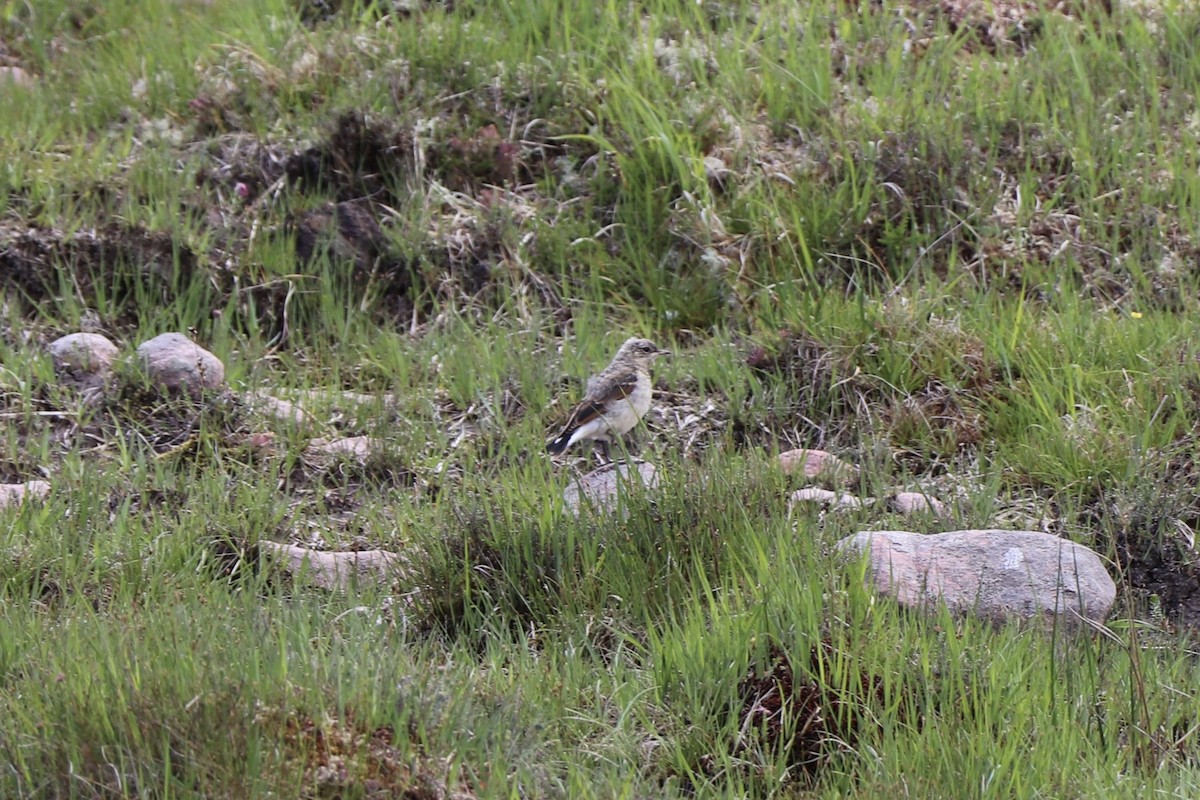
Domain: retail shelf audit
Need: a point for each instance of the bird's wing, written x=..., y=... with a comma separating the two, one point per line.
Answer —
x=600, y=394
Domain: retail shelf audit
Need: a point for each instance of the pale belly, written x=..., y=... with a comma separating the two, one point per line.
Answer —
x=623, y=416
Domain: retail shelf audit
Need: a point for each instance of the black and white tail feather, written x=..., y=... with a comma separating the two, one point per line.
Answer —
x=557, y=445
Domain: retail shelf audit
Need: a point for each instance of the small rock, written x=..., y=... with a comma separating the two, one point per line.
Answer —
x=15, y=76
x=302, y=405
x=716, y=171
x=602, y=488
x=83, y=360
x=342, y=398
x=261, y=440
x=358, y=447
x=261, y=444
x=818, y=464
x=275, y=407
x=997, y=575
x=337, y=569
x=180, y=365
x=916, y=503
x=12, y=494
x=825, y=498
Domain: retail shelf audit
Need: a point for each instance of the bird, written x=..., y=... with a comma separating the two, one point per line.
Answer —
x=615, y=400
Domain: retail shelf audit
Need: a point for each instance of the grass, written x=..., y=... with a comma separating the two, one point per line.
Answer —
x=951, y=244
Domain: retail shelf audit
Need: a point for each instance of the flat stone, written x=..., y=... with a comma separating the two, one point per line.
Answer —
x=342, y=398
x=602, y=489
x=13, y=494
x=997, y=575
x=15, y=76
x=84, y=360
x=305, y=405
x=178, y=364
x=359, y=448
x=915, y=503
x=275, y=407
x=825, y=498
x=819, y=465
x=336, y=569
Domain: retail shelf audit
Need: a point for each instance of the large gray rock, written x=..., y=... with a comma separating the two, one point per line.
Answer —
x=603, y=488
x=995, y=574
x=178, y=364
x=83, y=359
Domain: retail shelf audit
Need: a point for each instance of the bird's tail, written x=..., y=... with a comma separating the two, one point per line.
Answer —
x=559, y=444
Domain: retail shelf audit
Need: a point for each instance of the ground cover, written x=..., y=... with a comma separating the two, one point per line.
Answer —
x=954, y=244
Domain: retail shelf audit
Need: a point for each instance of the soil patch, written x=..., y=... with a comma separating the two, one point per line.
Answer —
x=41, y=263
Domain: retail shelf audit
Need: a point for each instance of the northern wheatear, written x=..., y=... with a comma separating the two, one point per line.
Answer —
x=615, y=399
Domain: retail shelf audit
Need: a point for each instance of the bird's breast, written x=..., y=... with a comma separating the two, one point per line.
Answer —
x=639, y=398
x=624, y=414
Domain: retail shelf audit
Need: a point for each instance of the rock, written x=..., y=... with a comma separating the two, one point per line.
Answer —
x=263, y=440
x=15, y=76
x=995, y=574
x=84, y=360
x=260, y=444
x=341, y=398
x=818, y=464
x=915, y=503
x=602, y=488
x=302, y=405
x=825, y=498
x=13, y=494
x=178, y=364
x=337, y=569
x=716, y=171
x=275, y=407
x=359, y=448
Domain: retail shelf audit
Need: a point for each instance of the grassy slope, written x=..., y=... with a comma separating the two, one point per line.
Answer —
x=965, y=262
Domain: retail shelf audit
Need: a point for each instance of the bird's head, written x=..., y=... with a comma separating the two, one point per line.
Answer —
x=641, y=351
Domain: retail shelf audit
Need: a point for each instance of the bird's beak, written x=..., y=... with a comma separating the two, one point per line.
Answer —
x=662, y=351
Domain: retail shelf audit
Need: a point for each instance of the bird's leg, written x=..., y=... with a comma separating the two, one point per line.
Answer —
x=630, y=443
x=606, y=453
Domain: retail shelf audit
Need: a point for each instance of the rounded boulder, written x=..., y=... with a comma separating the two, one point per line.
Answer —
x=83, y=359
x=998, y=575
x=178, y=364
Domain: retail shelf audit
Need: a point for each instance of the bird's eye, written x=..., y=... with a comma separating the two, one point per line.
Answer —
x=647, y=348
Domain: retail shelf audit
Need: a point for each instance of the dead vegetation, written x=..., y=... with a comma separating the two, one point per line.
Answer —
x=427, y=212
x=811, y=712
x=340, y=757
x=1151, y=529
